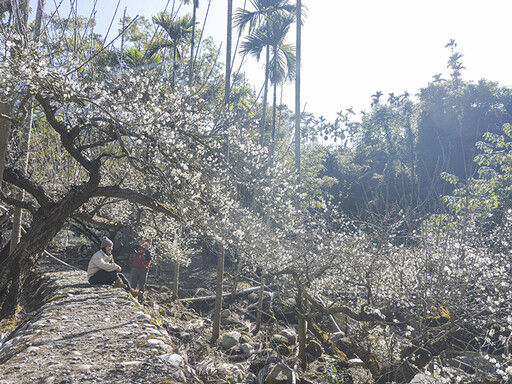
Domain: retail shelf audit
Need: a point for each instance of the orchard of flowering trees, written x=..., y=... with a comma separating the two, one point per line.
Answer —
x=405, y=230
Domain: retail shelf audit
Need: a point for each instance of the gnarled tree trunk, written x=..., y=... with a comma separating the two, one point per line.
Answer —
x=46, y=222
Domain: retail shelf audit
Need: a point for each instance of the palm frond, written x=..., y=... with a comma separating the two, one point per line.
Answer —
x=254, y=44
x=283, y=64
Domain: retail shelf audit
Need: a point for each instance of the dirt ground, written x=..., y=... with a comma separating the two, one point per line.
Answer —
x=189, y=325
x=184, y=328
x=88, y=334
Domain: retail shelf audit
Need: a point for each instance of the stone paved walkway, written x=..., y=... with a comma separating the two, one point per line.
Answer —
x=90, y=334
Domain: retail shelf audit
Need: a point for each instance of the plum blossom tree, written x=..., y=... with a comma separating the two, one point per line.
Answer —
x=114, y=132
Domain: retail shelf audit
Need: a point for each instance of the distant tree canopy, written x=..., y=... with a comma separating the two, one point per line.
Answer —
x=399, y=151
x=451, y=121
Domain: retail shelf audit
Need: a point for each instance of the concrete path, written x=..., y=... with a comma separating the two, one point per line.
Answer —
x=90, y=334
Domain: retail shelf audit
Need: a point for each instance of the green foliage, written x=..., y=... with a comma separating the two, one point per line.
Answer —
x=137, y=59
x=138, y=32
x=316, y=184
x=488, y=194
x=453, y=117
x=334, y=375
x=375, y=172
x=177, y=32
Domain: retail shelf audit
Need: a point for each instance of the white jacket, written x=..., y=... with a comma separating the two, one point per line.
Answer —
x=100, y=260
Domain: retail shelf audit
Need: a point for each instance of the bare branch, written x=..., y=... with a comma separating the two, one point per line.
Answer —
x=66, y=138
x=96, y=221
x=16, y=178
x=137, y=197
x=18, y=203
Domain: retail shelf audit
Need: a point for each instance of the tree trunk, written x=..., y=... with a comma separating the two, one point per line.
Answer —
x=302, y=330
x=265, y=96
x=20, y=11
x=130, y=245
x=192, y=43
x=5, y=129
x=41, y=4
x=25, y=140
x=121, y=47
x=274, y=114
x=175, y=281
x=260, y=306
x=205, y=255
x=17, y=221
x=227, y=90
x=218, y=294
x=158, y=270
x=25, y=154
x=298, y=43
x=173, y=78
x=45, y=225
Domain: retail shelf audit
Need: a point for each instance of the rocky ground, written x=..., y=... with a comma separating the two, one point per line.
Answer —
x=89, y=334
x=73, y=332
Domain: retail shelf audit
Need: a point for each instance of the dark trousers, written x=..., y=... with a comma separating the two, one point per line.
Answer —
x=139, y=276
x=103, y=277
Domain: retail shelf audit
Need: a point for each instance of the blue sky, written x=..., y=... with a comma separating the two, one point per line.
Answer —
x=351, y=49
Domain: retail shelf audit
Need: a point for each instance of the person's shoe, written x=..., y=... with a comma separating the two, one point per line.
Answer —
x=134, y=292
x=141, y=298
x=119, y=284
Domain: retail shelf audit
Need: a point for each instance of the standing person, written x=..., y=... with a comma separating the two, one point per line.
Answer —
x=103, y=271
x=140, y=266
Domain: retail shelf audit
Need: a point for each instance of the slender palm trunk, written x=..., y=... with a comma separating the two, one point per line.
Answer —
x=265, y=96
x=298, y=46
x=274, y=115
x=24, y=149
x=173, y=81
x=227, y=90
x=121, y=48
x=192, y=43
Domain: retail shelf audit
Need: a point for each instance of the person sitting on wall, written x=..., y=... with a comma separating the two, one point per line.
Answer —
x=140, y=266
x=103, y=271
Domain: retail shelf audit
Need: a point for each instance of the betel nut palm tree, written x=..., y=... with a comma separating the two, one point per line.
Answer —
x=18, y=16
x=195, y=5
x=264, y=11
x=136, y=59
x=177, y=32
x=281, y=56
